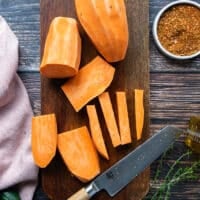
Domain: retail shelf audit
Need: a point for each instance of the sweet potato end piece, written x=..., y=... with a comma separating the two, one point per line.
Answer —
x=62, y=50
x=105, y=22
x=43, y=139
x=79, y=153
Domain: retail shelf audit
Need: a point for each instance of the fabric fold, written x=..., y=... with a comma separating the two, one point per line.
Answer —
x=17, y=167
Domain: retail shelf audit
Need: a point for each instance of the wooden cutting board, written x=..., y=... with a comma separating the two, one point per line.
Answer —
x=131, y=73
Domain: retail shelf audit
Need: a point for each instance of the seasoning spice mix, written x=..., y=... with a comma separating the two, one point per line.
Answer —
x=179, y=30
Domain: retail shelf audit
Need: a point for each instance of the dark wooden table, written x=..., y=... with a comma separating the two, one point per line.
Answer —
x=174, y=86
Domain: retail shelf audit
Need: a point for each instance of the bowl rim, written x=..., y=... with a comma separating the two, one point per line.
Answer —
x=155, y=25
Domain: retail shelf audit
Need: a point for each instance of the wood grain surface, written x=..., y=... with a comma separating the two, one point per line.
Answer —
x=174, y=86
x=131, y=73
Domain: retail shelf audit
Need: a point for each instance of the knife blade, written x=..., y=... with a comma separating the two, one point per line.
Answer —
x=125, y=170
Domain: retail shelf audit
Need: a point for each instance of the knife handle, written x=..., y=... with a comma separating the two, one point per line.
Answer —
x=80, y=195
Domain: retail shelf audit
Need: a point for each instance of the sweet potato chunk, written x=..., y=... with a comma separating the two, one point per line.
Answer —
x=90, y=82
x=44, y=139
x=79, y=153
x=105, y=22
x=62, y=51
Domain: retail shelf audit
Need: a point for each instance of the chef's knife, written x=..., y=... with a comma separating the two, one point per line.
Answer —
x=120, y=174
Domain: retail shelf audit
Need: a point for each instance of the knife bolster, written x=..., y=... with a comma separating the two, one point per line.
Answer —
x=92, y=189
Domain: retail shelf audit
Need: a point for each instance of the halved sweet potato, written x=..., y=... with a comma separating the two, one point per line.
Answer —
x=79, y=153
x=105, y=22
x=123, y=118
x=91, y=80
x=96, y=132
x=44, y=139
x=139, y=112
x=62, y=49
x=109, y=116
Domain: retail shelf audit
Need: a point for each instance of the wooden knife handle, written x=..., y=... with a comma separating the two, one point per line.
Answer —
x=80, y=195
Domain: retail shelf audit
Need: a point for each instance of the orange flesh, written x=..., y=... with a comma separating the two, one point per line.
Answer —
x=105, y=22
x=90, y=81
x=109, y=116
x=139, y=112
x=62, y=49
x=79, y=153
x=44, y=139
x=96, y=131
x=123, y=119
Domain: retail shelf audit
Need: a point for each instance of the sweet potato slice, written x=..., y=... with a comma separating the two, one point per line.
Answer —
x=62, y=51
x=139, y=112
x=44, y=139
x=90, y=81
x=79, y=153
x=107, y=109
x=96, y=131
x=123, y=119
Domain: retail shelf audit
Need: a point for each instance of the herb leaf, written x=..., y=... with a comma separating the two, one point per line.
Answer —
x=175, y=175
x=8, y=195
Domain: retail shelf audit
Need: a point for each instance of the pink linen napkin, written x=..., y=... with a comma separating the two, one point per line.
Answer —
x=16, y=162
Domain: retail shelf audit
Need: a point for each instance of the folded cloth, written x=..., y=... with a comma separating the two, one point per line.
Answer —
x=17, y=167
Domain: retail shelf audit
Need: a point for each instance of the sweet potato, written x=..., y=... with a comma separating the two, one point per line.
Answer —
x=107, y=109
x=123, y=118
x=139, y=112
x=44, y=139
x=62, y=49
x=96, y=131
x=79, y=153
x=105, y=22
x=90, y=81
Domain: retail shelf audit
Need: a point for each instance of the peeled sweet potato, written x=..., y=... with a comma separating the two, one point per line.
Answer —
x=62, y=51
x=96, y=132
x=109, y=116
x=43, y=139
x=105, y=22
x=139, y=112
x=123, y=118
x=79, y=153
x=91, y=81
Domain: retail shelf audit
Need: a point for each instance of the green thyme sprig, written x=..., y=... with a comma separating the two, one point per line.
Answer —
x=9, y=195
x=175, y=175
x=160, y=165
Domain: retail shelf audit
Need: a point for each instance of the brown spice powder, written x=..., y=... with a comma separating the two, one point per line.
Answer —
x=179, y=30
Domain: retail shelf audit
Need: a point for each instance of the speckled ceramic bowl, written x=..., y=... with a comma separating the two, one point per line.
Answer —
x=155, y=34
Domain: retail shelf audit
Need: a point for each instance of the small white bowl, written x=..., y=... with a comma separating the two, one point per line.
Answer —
x=155, y=25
